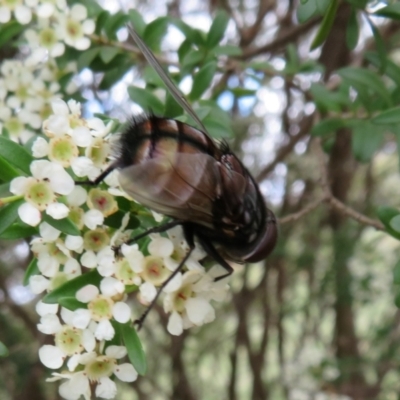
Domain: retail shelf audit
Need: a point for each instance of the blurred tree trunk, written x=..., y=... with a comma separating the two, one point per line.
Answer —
x=335, y=54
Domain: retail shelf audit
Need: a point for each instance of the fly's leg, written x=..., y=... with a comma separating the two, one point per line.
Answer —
x=188, y=233
x=213, y=253
x=156, y=229
x=100, y=178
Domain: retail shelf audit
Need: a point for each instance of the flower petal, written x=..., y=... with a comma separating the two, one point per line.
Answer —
x=29, y=214
x=125, y=372
x=51, y=356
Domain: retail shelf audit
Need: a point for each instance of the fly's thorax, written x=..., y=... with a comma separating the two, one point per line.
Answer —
x=153, y=137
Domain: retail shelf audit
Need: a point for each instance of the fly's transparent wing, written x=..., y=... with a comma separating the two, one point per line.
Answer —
x=175, y=92
x=184, y=187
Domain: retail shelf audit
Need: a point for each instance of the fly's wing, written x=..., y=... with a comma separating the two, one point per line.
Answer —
x=185, y=187
x=175, y=92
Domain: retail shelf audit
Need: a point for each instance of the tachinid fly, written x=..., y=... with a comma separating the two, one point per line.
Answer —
x=179, y=171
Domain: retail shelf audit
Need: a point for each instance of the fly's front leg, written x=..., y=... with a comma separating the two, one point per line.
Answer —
x=100, y=178
x=213, y=253
x=156, y=229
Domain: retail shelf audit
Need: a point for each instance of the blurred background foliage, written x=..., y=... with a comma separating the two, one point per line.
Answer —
x=308, y=94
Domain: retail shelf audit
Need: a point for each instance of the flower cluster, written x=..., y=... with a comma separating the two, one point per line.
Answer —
x=74, y=149
x=57, y=24
x=26, y=92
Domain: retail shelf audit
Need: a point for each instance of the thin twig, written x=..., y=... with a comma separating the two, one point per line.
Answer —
x=297, y=215
x=334, y=202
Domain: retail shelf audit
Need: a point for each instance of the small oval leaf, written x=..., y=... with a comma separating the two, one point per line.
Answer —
x=8, y=214
x=31, y=270
x=15, y=154
x=64, y=225
x=69, y=289
x=145, y=99
x=135, y=349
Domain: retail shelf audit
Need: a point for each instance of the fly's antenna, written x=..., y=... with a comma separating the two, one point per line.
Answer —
x=175, y=92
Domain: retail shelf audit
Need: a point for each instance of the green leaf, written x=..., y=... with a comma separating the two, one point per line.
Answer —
x=387, y=117
x=7, y=171
x=134, y=347
x=361, y=4
x=3, y=350
x=389, y=67
x=151, y=76
x=326, y=126
x=227, y=50
x=395, y=223
x=113, y=76
x=64, y=225
x=8, y=214
x=86, y=57
x=380, y=45
x=114, y=23
x=71, y=303
x=396, y=274
x=9, y=31
x=386, y=214
x=352, y=30
x=366, y=140
x=32, y=269
x=115, y=221
x=367, y=79
x=306, y=10
x=93, y=8
x=292, y=57
x=184, y=49
x=390, y=11
x=68, y=289
x=217, y=30
x=15, y=154
x=101, y=21
x=322, y=6
x=154, y=32
x=326, y=24
x=193, y=35
x=239, y=92
x=397, y=300
x=137, y=21
x=172, y=108
x=147, y=100
x=202, y=80
x=18, y=231
x=193, y=57
x=324, y=99
x=108, y=53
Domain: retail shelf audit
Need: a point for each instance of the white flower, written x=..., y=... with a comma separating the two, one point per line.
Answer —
x=74, y=25
x=57, y=210
x=38, y=284
x=97, y=368
x=21, y=11
x=147, y=292
x=190, y=304
x=40, y=148
x=45, y=37
x=48, y=179
x=51, y=356
x=77, y=197
x=133, y=256
x=93, y=218
x=102, y=307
